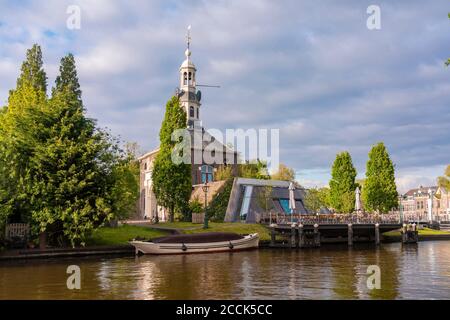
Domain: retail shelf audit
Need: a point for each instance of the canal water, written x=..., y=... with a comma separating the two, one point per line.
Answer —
x=332, y=272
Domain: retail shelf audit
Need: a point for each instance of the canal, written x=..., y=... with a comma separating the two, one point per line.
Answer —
x=331, y=272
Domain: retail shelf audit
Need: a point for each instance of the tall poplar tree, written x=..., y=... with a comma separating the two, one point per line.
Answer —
x=342, y=183
x=380, y=191
x=172, y=183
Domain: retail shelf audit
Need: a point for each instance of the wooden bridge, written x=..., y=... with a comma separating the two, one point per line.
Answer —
x=313, y=230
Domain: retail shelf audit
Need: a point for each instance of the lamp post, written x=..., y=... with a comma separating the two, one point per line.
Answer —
x=401, y=209
x=430, y=206
x=205, y=188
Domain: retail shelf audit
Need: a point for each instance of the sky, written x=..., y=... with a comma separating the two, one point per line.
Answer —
x=311, y=69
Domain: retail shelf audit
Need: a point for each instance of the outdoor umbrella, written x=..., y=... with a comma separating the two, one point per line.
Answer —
x=291, y=199
x=358, y=200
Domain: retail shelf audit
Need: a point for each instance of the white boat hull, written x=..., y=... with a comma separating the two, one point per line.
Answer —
x=248, y=242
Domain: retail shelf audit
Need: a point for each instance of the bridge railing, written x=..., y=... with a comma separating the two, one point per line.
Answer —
x=353, y=218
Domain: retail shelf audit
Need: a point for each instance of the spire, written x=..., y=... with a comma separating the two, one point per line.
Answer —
x=188, y=36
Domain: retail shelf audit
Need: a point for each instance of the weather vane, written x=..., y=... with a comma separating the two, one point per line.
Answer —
x=188, y=36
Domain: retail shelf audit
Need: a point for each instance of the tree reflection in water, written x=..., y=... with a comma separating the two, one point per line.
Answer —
x=330, y=272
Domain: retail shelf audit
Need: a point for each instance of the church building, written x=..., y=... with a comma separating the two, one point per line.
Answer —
x=190, y=100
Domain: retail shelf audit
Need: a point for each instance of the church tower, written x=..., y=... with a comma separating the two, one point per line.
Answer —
x=188, y=94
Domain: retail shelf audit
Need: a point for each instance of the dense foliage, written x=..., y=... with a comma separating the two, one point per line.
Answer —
x=172, y=182
x=217, y=208
x=317, y=198
x=380, y=191
x=342, y=183
x=284, y=173
x=254, y=169
x=444, y=181
x=58, y=171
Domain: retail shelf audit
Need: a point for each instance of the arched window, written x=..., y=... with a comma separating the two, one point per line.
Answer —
x=207, y=173
x=145, y=165
x=190, y=78
x=198, y=113
x=185, y=78
x=191, y=112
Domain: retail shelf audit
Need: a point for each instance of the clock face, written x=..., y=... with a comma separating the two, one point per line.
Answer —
x=199, y=95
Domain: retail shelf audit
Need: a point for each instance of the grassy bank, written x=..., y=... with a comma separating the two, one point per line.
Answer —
x=422, y=232
x=121, y=235
x=239, y=228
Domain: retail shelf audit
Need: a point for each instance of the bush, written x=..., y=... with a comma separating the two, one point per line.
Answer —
x=218, y=206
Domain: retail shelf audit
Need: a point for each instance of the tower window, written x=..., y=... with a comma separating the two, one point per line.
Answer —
x=185, y=78
x=190, y=78
x=207, y=173
x=198, y=113
x=191, y=112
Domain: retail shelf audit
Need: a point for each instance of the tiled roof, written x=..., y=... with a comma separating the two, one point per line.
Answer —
x=424, y=190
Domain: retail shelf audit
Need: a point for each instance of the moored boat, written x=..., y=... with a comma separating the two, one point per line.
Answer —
x=197, y=243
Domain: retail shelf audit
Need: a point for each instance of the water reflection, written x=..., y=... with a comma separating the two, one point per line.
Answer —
x=414, y=271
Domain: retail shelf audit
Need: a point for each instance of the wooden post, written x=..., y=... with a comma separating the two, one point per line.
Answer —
x=42, y=240
x=272, y=235
x=293, y=237
x=377, y=234
x=316, y=235
x=301, y=236
x=350, y=234
x=404, y=233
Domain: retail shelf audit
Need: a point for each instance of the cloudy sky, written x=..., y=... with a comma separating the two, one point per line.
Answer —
x=312, y=69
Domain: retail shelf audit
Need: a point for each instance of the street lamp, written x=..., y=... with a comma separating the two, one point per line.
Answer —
x=430, y=206
x=205, y=188
x=401, y=208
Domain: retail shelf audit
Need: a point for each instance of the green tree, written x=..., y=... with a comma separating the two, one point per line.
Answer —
x=224, y=173
x=255, y=169
x=22, y=126
x=217, y=207
x=284, y=173
x=342, y=183
x=317, y=198
x=444, y=181
x=380, y=191
x=78, y=170
x=172, y=183
x=57, y=170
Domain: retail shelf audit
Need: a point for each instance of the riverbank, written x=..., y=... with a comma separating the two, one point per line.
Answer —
x=425, y=234
x=114, y=241
x=103, y=241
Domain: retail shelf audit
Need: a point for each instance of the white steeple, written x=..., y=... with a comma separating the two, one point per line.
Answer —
x=189, y=97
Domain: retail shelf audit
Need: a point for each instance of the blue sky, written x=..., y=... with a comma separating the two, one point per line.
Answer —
x=311, y=69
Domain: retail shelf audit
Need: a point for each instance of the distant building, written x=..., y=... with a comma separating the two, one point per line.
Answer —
x=190, y=100
x=415, y=201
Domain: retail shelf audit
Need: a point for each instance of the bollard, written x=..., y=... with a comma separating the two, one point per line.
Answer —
x=316, y=235
x=377, y=234
x=350, y=234
x=301, y=236
x=293, y=240
x=404, y=233
x=272, y=235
